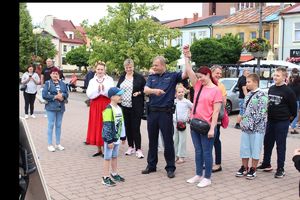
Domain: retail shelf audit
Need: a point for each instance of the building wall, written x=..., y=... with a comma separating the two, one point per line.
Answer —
x=223, y=8
x=287, y=43
x=247, y=29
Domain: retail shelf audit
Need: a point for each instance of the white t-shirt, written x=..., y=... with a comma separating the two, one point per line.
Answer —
x=117, y=111
x=183, y=108
x=31, y=86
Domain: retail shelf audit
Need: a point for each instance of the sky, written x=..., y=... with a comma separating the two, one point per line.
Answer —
x=77, y=12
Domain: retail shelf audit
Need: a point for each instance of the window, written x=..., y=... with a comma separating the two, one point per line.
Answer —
x=241, y=36
x=201, y=34
x=218, y=36
x=64, y=60
x=72, y=47
x=179, y=41
x=192, y=37
x=65, y=48
x=253, y=35
x=267, y=34
x=70, y=36
x=297, y=31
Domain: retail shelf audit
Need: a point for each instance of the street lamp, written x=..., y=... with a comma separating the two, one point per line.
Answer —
x=36, y=32
x=259, y=36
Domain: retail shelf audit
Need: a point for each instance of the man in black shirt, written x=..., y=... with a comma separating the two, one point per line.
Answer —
x=282, y=109
x=45, y=76
x=242, y=93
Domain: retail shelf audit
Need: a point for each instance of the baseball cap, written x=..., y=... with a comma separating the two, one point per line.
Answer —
x=115, y=91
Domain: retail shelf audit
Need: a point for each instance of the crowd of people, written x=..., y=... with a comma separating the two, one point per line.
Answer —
x=115, y=114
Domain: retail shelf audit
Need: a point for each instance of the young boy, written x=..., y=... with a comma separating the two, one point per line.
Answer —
x=282, y=109
x=113, y=130
x=253, y=124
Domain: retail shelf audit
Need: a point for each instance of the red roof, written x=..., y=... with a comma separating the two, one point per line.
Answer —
x=291, y=10
x=60, y=26
x=182, y=22
x=83, y=33
x=245, y=58
x=248, y=15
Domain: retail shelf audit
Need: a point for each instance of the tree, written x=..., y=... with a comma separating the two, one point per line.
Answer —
x=78, y=56
x=172, y=54
x=128, y=32
x=26, y=44
x=45, y=48
x=232, y=48
x=226, y=50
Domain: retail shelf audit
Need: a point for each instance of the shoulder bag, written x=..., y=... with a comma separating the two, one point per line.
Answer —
x=199, y=125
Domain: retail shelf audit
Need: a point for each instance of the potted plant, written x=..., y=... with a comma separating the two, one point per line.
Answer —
x=258, y=47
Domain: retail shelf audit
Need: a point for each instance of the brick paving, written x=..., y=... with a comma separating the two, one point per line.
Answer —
x=73, y=174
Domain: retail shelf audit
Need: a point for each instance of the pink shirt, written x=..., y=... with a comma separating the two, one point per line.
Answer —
x=207, y=99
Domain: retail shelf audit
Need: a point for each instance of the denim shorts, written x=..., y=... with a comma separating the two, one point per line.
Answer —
x=251, y=145
x=241, y=103
x=110, y=153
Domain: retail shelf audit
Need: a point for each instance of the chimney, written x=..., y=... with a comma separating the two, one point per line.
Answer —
x=195, y=16
x=185, y=21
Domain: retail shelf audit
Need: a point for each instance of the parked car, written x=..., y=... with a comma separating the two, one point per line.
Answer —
x=232, y=103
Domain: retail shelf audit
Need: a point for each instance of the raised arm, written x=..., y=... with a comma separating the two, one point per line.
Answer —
x=188, y=68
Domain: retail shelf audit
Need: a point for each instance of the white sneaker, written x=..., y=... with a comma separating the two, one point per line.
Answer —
x=139, y=154
x=130, y=151
x=194, y=179
x=205, y=182
x=26, y=117
x=45, y=115
x=59, y=147
x=33, y=116
x=51, y=148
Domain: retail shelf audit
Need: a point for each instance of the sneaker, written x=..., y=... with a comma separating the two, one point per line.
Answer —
x=51, y=148
x=45, y=116
x=130, y=151
x=33, y=116
x=59, y=147
x=251, y=174
x=108, y=182
x=279, y=173
x=265, y=168
x=237, y=126
x=294, y=132
x=118, y=178
x=194, y=179
x=242, y=172
x=26, y=117
x=204, y=182
x=139, y=154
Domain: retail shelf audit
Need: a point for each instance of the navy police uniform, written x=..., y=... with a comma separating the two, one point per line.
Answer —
x=160, y=111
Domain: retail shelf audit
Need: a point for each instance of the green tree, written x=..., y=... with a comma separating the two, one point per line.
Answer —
x=128, y=31
x=232, y=48
x=226, y=50
x=172, y=54
x=207, y=51
x=78, y=56
x=26, y=44
x=44, y=47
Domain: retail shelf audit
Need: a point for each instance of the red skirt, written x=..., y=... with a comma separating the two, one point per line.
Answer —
x=94, y=131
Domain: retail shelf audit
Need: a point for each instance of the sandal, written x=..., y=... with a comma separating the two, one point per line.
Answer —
x=217, y=170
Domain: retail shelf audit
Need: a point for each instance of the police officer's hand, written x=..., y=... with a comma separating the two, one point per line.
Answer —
x=111, y=145
x=211, y=133
x=158, y=92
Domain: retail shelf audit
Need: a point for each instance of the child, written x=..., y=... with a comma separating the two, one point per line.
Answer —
x=183, y=108
x=282, y=109
x=113, y=130
x=253, y=124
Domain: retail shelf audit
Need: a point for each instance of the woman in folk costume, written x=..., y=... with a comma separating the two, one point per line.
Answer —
x=97, y=93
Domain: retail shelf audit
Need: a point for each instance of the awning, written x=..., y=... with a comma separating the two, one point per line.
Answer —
x=245, y=58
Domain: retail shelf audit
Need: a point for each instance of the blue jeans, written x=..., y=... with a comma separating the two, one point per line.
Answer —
x=276, y=131
x=54, y=118
x=203, y=153
x=293, y=124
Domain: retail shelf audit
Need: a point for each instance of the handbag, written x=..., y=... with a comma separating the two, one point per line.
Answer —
x=181, y=126
x=199, y=125
x=225, y=120
x=23, y=87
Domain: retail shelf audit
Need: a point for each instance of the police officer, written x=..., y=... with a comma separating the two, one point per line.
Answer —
x=160, y=87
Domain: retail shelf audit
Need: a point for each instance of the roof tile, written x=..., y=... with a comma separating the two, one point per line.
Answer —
x=60, y=26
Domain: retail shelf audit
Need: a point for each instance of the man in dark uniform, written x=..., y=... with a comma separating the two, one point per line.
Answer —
x=160, y=87
x=45, y=76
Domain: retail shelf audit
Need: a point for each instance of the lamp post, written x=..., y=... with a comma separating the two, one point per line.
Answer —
x=259, y=36
x=36, y=32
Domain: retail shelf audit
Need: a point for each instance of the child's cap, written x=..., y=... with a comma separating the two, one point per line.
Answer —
x=115, y=91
